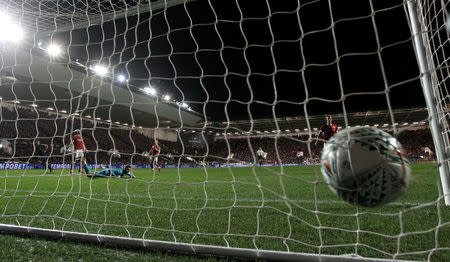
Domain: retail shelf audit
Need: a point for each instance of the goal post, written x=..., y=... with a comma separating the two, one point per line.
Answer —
x=433, y=87
x=234, y=93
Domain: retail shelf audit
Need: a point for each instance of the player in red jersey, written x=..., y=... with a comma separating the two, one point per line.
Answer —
x=79, y=148
x=154, y=153
x=327, y=130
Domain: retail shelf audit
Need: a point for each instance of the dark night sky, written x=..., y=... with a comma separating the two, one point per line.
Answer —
x=255, y=55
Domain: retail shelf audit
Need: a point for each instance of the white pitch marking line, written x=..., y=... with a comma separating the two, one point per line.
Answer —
x=63, y=194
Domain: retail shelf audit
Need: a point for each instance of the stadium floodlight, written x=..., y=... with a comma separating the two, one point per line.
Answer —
x=54, y=50
x=121, y=78
x=184, y=105
x=9, y=31
x=100, y=70
x=149, y=90
x=166, y=97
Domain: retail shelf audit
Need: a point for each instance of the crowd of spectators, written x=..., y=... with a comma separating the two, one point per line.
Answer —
x=21, y=129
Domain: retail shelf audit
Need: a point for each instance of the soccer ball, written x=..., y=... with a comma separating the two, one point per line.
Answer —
x=365, y=166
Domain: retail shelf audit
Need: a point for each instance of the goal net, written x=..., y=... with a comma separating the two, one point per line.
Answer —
x=212, y=82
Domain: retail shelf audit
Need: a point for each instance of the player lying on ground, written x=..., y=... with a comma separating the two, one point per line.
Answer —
x=112, y=172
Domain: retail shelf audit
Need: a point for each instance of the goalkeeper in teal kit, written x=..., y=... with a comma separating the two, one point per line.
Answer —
x=113, y=172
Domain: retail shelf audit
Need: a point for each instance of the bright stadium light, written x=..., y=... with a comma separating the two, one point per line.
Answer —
x=184, y=105
x=121, y=78
x=54, y=50
x=88, y=116
x=166, y=97
x=63, y=111
x=9, y=31
x=149, y=91
x=50, y=109
x=100, y=70
x=34, y=105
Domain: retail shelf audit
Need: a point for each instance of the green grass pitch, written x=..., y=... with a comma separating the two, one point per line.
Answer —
x=273, y=208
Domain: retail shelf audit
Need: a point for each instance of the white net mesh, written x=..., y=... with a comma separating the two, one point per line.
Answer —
x=214, y=81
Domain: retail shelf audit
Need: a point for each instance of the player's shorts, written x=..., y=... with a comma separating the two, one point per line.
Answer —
x=79, y=153
x=153, y=159
x=41, y=159
x=260, y=157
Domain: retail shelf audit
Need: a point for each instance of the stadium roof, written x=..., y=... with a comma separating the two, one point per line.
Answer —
x=402, y=118
x=33, y=79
